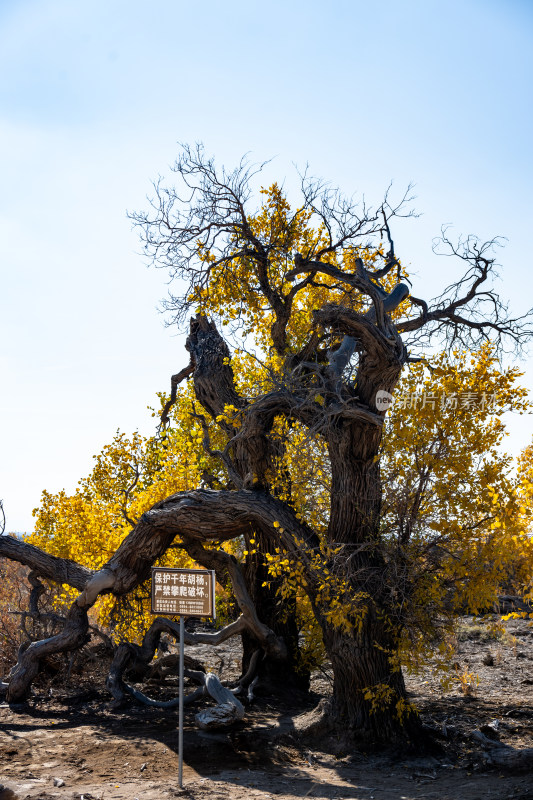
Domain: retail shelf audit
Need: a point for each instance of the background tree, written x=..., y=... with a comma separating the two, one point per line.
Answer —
x=321, y=303
x=451, y=500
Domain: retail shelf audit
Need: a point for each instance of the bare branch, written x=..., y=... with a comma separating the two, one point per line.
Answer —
x=205, y=224
x=223, y=455
x=174, y=383
x=469, y=311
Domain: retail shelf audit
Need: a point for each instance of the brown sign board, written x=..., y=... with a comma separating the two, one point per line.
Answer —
x=183, y=592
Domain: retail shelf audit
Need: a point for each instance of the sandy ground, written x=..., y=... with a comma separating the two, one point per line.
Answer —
x=67, y=744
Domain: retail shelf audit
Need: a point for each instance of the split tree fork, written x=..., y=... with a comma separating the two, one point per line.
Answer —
x=356, y=344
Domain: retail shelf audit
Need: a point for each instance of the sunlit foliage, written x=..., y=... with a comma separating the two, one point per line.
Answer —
x=454, y=517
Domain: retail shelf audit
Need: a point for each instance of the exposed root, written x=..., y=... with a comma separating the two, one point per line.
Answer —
x=131, y=658
x=249, y=680
x=316, y=722
x=74, y=635
x=228, y=710
x=149, y=701
x=503, y=755
x=135, y=658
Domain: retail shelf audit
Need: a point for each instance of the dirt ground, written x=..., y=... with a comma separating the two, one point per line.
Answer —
x=66, y=743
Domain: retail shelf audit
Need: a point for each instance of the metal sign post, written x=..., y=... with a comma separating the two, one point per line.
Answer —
x=180, y=715
x=187, y=593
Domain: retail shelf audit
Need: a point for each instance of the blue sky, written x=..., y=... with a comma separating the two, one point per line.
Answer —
x=93, y=100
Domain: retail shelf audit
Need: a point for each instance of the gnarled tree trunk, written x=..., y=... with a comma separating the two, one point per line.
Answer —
x=197, y=517
x=369, y=696
x=280, y=615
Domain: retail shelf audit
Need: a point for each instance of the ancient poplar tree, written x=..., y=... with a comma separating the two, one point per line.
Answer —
x=326, y=323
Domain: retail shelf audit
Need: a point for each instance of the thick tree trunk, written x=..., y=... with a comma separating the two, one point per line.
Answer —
x=369, y=696
x=355, y=483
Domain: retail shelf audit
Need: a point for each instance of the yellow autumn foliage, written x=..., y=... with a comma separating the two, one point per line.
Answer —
x=454, y=519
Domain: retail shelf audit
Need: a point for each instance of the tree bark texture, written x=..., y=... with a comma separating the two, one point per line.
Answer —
x=249, y=507
x=329, y=383
x=368, y=695
x=199, y=516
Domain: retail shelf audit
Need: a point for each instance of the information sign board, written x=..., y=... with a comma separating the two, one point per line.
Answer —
x=183, y=592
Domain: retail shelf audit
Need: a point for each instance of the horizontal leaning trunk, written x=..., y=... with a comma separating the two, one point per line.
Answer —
x=196, y=516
